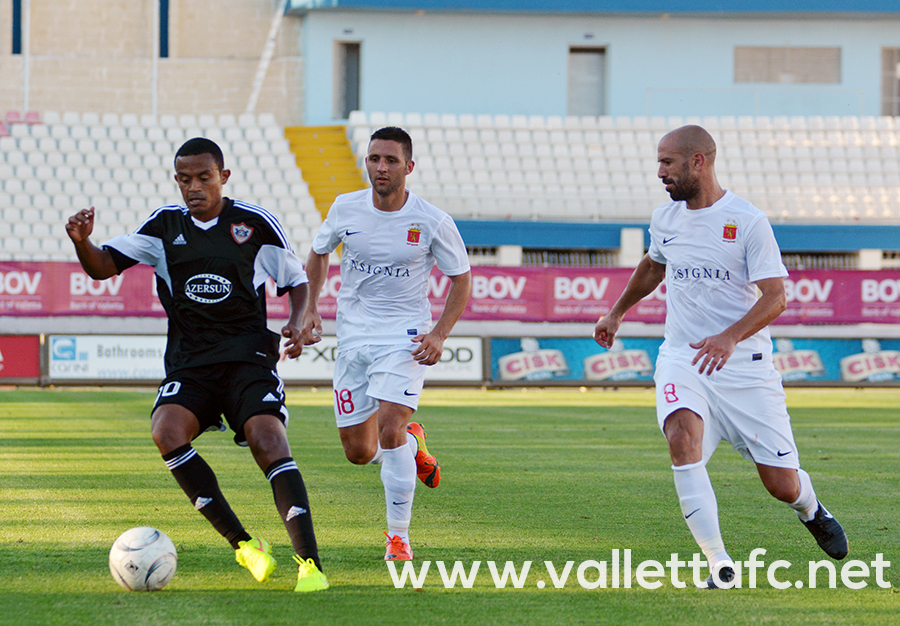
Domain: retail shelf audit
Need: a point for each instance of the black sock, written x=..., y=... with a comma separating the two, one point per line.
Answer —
x=199, y=482
x=293, y=506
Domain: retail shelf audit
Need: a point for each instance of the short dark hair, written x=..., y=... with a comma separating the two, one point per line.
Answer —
x=202, y=145
x=392, y=133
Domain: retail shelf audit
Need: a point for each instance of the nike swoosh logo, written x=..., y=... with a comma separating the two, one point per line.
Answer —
x=347, y=233
x=780, y=453
x=665, y=241
x=399, y=503
x=691, y=513
x=406, y=393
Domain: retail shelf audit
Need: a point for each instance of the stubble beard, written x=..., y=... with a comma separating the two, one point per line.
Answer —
x=687, y=188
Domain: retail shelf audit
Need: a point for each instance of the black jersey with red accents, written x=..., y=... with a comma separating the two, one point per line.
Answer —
x=210, y=278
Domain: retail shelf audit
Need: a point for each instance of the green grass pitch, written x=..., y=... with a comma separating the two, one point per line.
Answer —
x=537, y=475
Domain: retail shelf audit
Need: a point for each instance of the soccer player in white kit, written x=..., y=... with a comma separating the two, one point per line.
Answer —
x=715, y=379
x=391, y=240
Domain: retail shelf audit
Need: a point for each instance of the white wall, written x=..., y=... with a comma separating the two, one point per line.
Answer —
x=478, y=63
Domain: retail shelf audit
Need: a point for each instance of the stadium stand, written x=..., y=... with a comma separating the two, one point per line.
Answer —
x=487, y=167
x=122, y=165
x=812, y=169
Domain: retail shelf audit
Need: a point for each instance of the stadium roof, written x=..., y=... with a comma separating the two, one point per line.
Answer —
x=696, y=7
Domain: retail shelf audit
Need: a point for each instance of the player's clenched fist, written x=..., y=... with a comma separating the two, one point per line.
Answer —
x=605, y=331
x=81, y=225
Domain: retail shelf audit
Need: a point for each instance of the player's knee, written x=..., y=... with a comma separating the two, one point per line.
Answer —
x=167, y=439
x=683, y=448
x=392, y=431
x=783, y=491
x=269, y=442
x=782, y=484
x=359, y=455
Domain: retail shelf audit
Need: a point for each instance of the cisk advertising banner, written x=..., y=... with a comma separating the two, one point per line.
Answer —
x=852, y=361
x=530, y=360
x=527, y=294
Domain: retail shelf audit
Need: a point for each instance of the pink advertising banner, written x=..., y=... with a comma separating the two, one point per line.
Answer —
x=498, y=293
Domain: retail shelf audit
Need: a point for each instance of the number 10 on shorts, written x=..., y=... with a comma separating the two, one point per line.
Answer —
x=343, y=400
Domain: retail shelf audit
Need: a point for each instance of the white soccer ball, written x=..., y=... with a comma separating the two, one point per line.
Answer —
x=143, y=559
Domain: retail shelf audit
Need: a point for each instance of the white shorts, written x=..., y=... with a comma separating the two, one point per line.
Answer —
x=745, y=408
x=365, y=375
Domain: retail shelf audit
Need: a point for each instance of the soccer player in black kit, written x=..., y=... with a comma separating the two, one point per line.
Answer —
x=212, y=256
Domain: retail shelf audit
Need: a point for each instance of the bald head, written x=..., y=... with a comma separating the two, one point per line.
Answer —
x=691, y=140
x=687, y=158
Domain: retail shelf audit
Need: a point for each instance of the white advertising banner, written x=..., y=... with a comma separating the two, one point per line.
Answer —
x=461, y=361
x=140, y=357
x=101, y=357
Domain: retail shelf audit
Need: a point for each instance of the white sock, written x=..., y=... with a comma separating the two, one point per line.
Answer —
x=700, y=509
x=413, y=443
x=379, y=455
x=398, y=473
x=807, y=503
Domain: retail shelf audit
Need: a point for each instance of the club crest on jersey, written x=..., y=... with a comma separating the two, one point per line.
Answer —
x=413, y=234
x=730, y=232
x=241, y=232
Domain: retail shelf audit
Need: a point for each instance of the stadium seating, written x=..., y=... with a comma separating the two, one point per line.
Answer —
x=53, y=165
x=815, y=169
x=812, y=169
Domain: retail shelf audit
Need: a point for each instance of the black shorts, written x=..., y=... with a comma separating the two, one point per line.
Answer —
x=235, y=390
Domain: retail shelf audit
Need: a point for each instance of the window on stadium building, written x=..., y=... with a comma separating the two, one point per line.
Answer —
x=163, y=29
x=346, y=79
x=17, y=27
x=787, y=65
x=890, y=81
x=586, y=81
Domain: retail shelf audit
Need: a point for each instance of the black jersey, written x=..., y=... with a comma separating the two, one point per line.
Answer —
x=210, y=278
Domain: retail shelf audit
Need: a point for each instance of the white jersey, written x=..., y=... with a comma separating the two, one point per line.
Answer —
x=385, y=266
x=713, y=256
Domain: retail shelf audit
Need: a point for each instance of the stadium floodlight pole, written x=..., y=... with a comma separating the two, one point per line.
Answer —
x=26, y=56
x=266, y=58
x=154, y=62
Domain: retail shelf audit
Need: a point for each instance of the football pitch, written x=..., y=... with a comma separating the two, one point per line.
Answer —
x=559, y=476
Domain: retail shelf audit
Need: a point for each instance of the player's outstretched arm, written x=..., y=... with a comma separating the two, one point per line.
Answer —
x=431, y=345
x=717, y=349
x=297, y=296
x=646, y=277
x=311, y=322
x=97, y=262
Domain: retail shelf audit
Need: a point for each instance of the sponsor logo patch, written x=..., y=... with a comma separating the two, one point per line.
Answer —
x=207, y=288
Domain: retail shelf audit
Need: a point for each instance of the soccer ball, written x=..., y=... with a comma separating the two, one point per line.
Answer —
x=143, y=559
